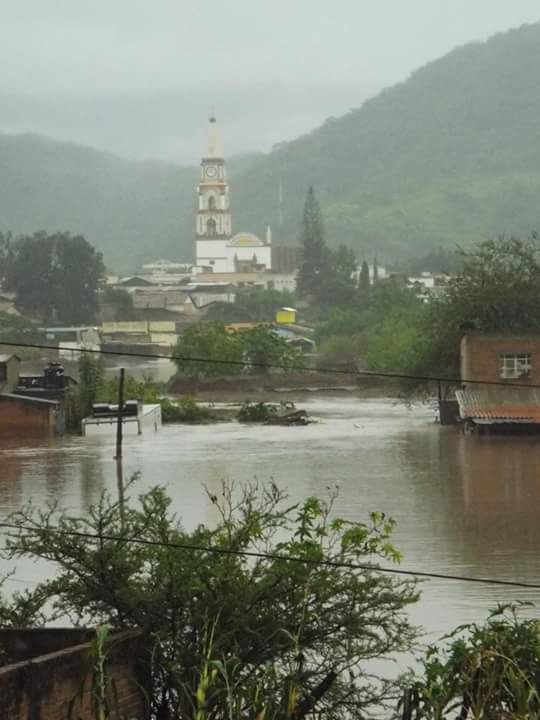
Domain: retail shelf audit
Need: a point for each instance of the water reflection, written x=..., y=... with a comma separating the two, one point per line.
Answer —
x=464, y=505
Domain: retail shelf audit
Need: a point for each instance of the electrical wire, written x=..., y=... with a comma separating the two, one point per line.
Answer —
x=271, y=556
x=276, y=556
x=274, y=366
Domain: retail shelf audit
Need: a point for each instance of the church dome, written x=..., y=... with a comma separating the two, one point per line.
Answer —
x=244, y=239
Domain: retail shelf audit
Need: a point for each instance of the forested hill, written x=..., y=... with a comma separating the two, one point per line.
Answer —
x=132, y=211
x=129, y=210
x=450, y=155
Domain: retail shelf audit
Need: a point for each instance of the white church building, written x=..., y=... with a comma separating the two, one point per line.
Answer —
x=217, y=249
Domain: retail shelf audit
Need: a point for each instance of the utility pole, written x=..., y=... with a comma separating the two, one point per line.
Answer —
x=119, y=427
x=119, y=437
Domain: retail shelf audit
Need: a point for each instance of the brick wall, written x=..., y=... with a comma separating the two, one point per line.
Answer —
x=49, y=687
x=480, y=356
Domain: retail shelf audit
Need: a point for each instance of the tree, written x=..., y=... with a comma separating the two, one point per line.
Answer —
x=228, y=635
x=485, y=671
x=203, y=350
x=495, y=291
x=375, y=270
x=364, y=281
x=55, y=277
x=212, y=345
x=343, y=263
x=118, y=303
x=253, y=305
x=314, y=250
x=263, y=347
x=5, y=253
x=91, y=380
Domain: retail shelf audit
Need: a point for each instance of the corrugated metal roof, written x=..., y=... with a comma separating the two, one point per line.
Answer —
x=4, y=358
x=497, y=405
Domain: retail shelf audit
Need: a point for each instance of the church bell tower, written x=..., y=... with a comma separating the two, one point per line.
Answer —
x=213, y=214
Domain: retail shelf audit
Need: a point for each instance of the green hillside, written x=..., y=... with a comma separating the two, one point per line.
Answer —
x=131, y=211
x=450, y=155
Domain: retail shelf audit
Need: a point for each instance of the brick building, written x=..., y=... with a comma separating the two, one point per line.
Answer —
x=501, y=358
x=49, y=675
x=510, y=367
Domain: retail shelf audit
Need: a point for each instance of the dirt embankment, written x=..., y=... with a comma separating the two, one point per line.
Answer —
x=289, y=385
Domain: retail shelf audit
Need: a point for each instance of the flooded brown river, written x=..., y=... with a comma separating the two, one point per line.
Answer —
x=464, y=505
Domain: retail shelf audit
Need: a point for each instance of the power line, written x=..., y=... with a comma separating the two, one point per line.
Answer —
x=273, y=556
x=273, y=366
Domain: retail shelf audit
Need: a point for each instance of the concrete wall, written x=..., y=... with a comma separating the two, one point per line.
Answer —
x=12, y=368
x=29, y=416
x=136, y=327
x=480, y=356
x=47, y=686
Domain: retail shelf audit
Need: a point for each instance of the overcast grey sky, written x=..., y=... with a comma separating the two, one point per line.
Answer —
x=134, y=76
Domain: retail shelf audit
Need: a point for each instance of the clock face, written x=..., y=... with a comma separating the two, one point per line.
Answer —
x=211, y=171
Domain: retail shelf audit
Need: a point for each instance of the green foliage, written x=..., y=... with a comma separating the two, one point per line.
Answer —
x=314, y=250
x=253, y=305
x=119, y=302
x=440, y=159
x=15, y=328
x=384, y=331
x=343, y=263
x=256, y=412
x=205, y=343
x=414, y=168
x=186, y=410
x=261, y=346
x=485, y=671
x=91, y=379
x=364, y=281
x=324, y=276
x=497, y=287
x=212, y=341
x=55, y=277
x=275, y=628
x=341, y=349
x=144, y=390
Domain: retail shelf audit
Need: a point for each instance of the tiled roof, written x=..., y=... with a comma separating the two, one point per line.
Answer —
x=500, y=405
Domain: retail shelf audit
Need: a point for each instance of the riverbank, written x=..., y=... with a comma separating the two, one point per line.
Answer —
x=277, y=387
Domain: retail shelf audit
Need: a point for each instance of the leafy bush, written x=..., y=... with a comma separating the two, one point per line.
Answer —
x=485, y=671
x=287, y=629
x=256, y=412
x=186, y=410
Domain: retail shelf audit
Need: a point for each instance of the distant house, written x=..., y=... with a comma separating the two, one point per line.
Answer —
x=499, y=373
x=9, y=372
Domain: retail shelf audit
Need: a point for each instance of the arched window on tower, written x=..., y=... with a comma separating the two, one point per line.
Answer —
x=211, y=203
x=211, y=227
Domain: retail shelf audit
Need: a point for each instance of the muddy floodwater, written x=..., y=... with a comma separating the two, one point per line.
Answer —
x=464, y=505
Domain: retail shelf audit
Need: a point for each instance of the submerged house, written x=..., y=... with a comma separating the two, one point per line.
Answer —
x=31, y=405
x=500, y=381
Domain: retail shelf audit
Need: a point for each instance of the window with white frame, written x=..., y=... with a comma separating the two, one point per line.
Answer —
x=514, y=365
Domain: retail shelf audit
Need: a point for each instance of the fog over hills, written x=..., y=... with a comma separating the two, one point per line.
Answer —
x=450, y=155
